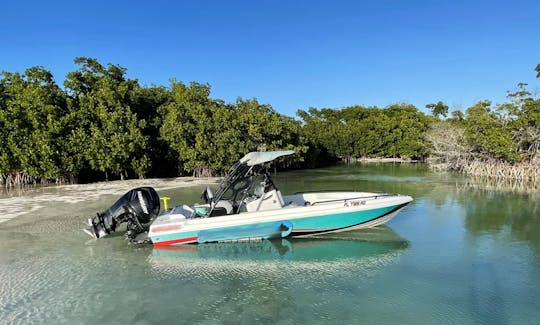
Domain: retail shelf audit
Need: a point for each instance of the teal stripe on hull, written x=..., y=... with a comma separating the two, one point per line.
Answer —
x=311, y=224
x=265, y=230
x=339, y=220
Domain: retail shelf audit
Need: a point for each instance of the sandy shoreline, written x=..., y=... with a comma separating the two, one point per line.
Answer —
x=20, y=202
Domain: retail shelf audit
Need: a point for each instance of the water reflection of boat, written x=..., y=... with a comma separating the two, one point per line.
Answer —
x=375, y=246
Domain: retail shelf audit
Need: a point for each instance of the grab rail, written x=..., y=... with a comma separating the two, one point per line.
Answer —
x=335, y=191
x=348, y=199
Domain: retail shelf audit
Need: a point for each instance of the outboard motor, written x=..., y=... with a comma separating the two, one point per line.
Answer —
x=138, y=208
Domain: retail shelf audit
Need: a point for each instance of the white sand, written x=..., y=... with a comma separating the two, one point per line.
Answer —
x=20, y=203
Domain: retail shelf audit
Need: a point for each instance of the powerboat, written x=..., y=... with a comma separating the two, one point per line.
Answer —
x=247, y=205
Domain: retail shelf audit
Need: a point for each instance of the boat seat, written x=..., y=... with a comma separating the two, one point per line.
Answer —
x=269, y=201
x=207, y=194
x=225, y=204
x=218, y=211
x=259, y=190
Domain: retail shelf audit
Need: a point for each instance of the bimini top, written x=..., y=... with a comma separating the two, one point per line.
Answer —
x=261, y=157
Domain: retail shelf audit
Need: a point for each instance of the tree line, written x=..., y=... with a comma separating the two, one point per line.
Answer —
x=352, y=132
x=102, y=125
x=497, y=140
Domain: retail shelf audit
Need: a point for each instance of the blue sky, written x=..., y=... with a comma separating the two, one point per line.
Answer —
x=290, y=54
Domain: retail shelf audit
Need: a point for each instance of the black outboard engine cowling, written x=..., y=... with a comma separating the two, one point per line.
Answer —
x=138, y=207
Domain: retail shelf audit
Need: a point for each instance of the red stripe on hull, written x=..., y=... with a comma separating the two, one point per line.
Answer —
x=176, y=241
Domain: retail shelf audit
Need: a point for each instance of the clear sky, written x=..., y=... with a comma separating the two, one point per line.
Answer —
x=290, y=54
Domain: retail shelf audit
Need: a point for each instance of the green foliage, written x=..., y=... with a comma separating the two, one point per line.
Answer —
x=407, y=134
x=458, y=116
x=101, y=115
x=507, y=133
x=208, y=135
x=31, y=109
x=523, y=116
x=438, y=109
x=488, y=134
x=181, y=117
x=356, y=131
x=159, y=159
x=49, y=133
x=105, y=123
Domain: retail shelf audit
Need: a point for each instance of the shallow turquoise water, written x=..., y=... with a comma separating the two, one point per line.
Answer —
x=464, y=252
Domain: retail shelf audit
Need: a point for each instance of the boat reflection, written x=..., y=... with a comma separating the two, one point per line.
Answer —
x=374, y=246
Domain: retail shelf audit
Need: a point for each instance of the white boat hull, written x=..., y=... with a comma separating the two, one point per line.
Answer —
x=301, y=215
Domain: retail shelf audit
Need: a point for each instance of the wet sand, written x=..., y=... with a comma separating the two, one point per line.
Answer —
x=21, y=201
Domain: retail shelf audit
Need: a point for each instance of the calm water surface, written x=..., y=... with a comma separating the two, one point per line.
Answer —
x=464, y=252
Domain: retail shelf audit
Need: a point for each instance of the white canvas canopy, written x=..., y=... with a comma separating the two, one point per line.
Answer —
x=261, y=157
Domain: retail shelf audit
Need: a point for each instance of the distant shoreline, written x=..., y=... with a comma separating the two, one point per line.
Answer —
x=386, y=160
